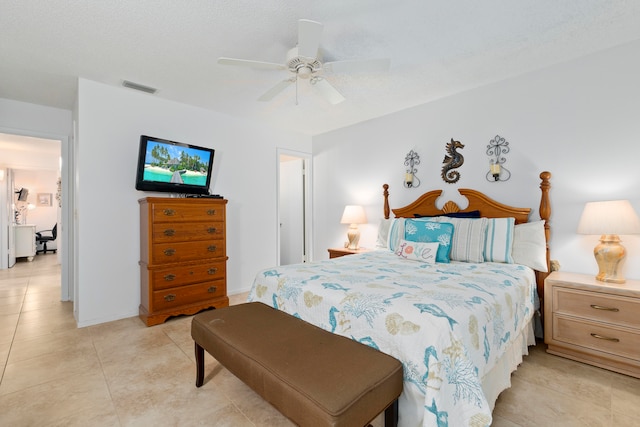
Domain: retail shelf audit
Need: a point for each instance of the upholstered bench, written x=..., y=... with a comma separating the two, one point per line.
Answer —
x=313, y=377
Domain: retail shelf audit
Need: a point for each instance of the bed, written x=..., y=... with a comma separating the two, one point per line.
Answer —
x=452, y=293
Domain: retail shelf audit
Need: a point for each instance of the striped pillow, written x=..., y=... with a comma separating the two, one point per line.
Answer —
x=499, y=240
x=468, y=241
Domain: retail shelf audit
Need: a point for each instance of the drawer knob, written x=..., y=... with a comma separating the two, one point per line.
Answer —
x=599, y=307
x=169, y=212
x=211, y=230
x=169, y=232
x=212, y=290
x=169, y=277
x=602, y=337
x=169, y=297
x=211, y=211
x=212, y=270
x=169, y=252
x=212, y=248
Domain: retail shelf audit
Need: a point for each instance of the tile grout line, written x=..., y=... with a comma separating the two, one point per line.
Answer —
x=15, y=330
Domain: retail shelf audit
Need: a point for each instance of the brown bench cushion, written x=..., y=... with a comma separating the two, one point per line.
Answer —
x=310, y=375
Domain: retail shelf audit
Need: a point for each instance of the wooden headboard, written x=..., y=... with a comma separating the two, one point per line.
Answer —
x=425, y=205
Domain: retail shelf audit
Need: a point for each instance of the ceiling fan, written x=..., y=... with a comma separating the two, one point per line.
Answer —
x=304, y=62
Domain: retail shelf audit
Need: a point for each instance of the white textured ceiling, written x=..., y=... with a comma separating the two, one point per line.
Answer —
x=436, y=48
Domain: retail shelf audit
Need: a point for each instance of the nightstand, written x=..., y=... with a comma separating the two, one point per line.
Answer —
x=593, y=322
x=338, y=252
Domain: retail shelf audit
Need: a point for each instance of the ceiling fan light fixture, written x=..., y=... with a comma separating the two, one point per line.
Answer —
x=304, y=61
x=304, y=72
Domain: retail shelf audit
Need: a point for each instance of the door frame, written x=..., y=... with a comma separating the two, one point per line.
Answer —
x=308, y=197
x=66, y=211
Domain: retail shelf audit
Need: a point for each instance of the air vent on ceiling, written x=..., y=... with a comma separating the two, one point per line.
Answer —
x=136, y=86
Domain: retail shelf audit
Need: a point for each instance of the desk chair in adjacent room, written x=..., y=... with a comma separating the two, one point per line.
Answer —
x=46, y=236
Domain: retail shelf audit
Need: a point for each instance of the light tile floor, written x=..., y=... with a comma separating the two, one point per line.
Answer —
x=123, y=373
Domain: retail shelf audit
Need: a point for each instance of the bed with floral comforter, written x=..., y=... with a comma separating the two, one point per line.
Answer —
x=451, y=325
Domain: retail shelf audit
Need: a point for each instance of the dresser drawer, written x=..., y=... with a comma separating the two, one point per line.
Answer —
x=619, y=310
x=597, y=336
x=165, y=253
x=176, y=232
x=175, y=297
x=186, y=212
x=185, y=274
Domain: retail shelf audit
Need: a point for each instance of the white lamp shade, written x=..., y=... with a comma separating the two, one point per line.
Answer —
x=353, y=214
x=609, y=217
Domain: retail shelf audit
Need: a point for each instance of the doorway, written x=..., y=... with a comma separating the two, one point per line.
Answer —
x=36, y=154
x=294, y=207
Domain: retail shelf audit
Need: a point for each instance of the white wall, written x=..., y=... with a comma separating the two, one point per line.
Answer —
x=22, y=118
x=578, y=120
x=34, y=120
x=110, y=122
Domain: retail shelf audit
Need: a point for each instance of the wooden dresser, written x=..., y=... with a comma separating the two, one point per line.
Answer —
x=593, y=322
x=182, y=257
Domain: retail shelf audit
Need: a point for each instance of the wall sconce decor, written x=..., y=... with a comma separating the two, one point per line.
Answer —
x=496, y=148
x=452, y=160
x=353, y=215
x=609, y=219
x=410, y=179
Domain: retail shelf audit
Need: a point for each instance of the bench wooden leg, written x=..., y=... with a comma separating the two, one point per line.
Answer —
x=199, y=365
x=391, y=415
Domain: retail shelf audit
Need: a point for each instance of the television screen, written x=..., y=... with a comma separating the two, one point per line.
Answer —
x=23, y=194
x=174, y=167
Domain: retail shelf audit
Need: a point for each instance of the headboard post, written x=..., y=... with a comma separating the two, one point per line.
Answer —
x=385, y=193
x=545, y=214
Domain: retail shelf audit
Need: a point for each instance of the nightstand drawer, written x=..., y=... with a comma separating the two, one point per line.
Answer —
x=601, y=307
x=596, y=336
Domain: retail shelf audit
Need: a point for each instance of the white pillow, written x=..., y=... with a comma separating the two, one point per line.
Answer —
x=530, y=245
x=383, y=233
x=468, y=241
x=499, y=240
x=417, y=251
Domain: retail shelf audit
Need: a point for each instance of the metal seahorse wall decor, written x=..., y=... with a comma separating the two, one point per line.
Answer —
x=452, y=160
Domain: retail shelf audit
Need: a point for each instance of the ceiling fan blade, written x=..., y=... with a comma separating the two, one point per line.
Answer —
x=271, y=93
x=309, y=33
x=359, y=66
x=250, y=63
x=330, y=93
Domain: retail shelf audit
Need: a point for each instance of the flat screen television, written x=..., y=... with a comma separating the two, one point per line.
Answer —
x=23, y=194
x=173, y=167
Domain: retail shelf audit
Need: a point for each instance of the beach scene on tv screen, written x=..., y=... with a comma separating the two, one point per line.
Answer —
x=175, y=164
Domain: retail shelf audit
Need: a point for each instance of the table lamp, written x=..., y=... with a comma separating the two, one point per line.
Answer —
x=354, y=215
x=609, y=219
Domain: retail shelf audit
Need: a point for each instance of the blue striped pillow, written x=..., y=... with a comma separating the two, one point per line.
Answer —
x=499, y=240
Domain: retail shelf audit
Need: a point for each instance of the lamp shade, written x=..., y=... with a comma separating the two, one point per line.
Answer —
x=609, y=217
x=353, y=214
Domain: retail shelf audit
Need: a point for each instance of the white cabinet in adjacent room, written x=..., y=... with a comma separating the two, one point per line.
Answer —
x=25, y=242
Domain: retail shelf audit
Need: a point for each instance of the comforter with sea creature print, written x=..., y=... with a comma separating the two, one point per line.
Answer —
x=447, y=323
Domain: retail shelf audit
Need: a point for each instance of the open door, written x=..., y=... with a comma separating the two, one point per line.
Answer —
x=7, y=210
x=294, y=211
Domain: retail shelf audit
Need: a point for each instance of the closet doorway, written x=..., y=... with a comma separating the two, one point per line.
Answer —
x=294, y=207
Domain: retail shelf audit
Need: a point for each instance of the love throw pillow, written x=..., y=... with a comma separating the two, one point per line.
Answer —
x=416, y=251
